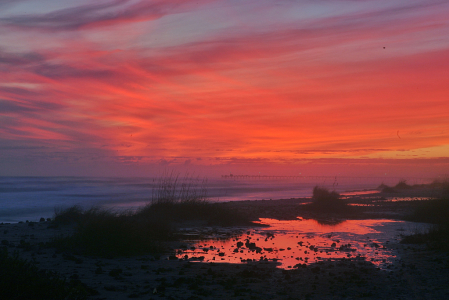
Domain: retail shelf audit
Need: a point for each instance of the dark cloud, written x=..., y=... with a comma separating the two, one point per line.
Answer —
x=116, y=11
x=14, y=132
x=165, y=162
x=411, y=6
x=40, y=65
x=14, y=148
x=7, y=58
x=6, y=3
x=241, y=160
x=97, y=14
x=336, y=151
x=9, y=106
x=67, y=18
x=17, y=92
x=61, y=71
x=310, y=34
x=13, y=107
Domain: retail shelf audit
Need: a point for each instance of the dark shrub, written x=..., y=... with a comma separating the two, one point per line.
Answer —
x=106, y=233
x=437, y=237
x=22, y=280
x=389, y=189
x=325, y=201
x=445, y=189
x=209, y=213
x=180, y=200
x=382, y=186
x=432, y=211
x=172, y=189
x=402, y=185
x=435, y=212
x=386, y=189
x=67, y=216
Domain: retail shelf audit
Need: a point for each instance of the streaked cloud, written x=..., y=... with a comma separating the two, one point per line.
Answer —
x=225, y=82
x=91, y=15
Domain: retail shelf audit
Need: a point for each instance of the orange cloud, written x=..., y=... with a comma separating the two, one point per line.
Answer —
x=317, y=88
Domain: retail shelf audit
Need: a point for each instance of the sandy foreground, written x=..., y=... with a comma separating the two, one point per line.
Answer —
x=417, y=274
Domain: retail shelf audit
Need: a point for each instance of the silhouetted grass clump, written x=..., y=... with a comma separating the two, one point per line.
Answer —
x=386, y=189
x=68, y=216
x=440, y=182
x=443, y=185
x=106, y=233
x=325, y=201
x=22, y=280
x=201, y=212
x=389, y=189
x=184, y=200
x=402, y=185
x=437, y=237
x=172, y=189
x=438, y=185
x=382, y=186
x=435, y=212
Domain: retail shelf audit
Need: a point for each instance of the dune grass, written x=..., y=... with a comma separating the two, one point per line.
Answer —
x=107, y=233
x=22, y=280
x=435, y=212
x=184, y=200
x=442, y=185
x=401, y=185
x=327, y=202
x=437, y=237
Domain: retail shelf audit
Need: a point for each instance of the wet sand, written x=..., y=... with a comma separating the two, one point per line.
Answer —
x=418, y=273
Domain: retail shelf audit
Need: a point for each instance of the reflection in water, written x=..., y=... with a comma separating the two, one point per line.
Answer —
x=346, y=195
x=294, y=243
x=360, y=204
x=400, y=199
x=329, y=222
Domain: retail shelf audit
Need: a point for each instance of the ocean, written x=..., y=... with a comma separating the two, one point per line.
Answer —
x=30, y=198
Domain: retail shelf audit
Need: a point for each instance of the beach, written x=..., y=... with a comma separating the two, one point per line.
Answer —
x=30, y=198
x=415, y=272
x=224, y=149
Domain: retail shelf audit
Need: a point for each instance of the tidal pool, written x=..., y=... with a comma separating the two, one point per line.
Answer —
x=291, y=244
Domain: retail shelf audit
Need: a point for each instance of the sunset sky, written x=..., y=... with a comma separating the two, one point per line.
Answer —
x=129, y=88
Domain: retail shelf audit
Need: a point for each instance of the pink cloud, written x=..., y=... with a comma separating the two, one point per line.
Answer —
x=319, y=88
x=94, y=15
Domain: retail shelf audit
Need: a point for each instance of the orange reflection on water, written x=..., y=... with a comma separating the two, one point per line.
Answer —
x=294, y=243
x=359, y=193
x=400, y=199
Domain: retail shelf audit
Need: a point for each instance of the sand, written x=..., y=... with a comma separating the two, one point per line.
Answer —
x=418, y=273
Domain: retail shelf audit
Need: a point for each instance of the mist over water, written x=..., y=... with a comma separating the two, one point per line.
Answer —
x=30, y=198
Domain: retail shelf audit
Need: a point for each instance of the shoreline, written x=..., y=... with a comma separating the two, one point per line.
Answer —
x=419, y=273
x=361, y=197
x=31, y=206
